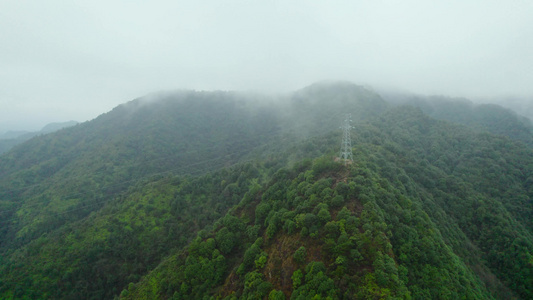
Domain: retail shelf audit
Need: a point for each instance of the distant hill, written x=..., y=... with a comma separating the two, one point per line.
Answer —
x=57, y=126
x=10, y=139
x=192, y=195
x=481, y=117
x=520, y=105
x=13, y=134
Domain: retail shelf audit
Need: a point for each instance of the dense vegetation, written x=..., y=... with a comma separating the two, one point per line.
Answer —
x=10, y=139
x=481, y=117
x=396, y=224
x=199, y=195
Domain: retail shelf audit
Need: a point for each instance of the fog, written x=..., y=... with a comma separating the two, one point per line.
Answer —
x=64, y=60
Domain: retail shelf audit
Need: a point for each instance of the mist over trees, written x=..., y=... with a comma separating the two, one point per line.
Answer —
x=227, y=195
x=10, y=139
x=229, y=176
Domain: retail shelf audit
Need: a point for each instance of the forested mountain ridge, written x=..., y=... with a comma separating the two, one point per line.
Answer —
x=77, y=168
x=10, y=139
x=398, y=223
x=428, y=209
x=59, y=179
x=482, y=117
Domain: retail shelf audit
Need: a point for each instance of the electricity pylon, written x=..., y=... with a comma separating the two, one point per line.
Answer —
x=346, y=146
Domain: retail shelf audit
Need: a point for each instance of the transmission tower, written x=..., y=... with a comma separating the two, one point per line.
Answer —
x=346, y=146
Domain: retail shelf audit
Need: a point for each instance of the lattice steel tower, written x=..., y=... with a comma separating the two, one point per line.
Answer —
x=346, y=146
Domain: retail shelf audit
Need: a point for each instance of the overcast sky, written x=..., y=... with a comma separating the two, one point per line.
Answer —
x=63, y=60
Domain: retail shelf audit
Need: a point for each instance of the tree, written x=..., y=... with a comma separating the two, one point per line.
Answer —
x=225, y=240
x=300, y=255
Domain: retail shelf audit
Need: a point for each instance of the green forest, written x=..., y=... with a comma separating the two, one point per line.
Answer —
x=226, y=195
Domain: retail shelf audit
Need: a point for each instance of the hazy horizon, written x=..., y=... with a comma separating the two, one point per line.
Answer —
x=63, y=61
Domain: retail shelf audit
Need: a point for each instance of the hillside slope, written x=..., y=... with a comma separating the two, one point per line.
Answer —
x=10, y=139
x=400, y=222
x=58, y=178
x=56, y=185
x=222, y=194
x=481, y=117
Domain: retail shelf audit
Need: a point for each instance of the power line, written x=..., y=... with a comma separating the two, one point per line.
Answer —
x=52, y=181
x=346, y=145
x=110, y=197
x=169, y=172
x=270, y=134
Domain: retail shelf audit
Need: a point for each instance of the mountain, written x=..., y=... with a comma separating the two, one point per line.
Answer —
x=521, y=105
x=482, y=117
x=232, y=195
x=57, y=126
x=398, y=223
x=13, y=134
x=10, y=139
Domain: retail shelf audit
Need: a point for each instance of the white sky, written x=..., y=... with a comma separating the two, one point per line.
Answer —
x=63, y=60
